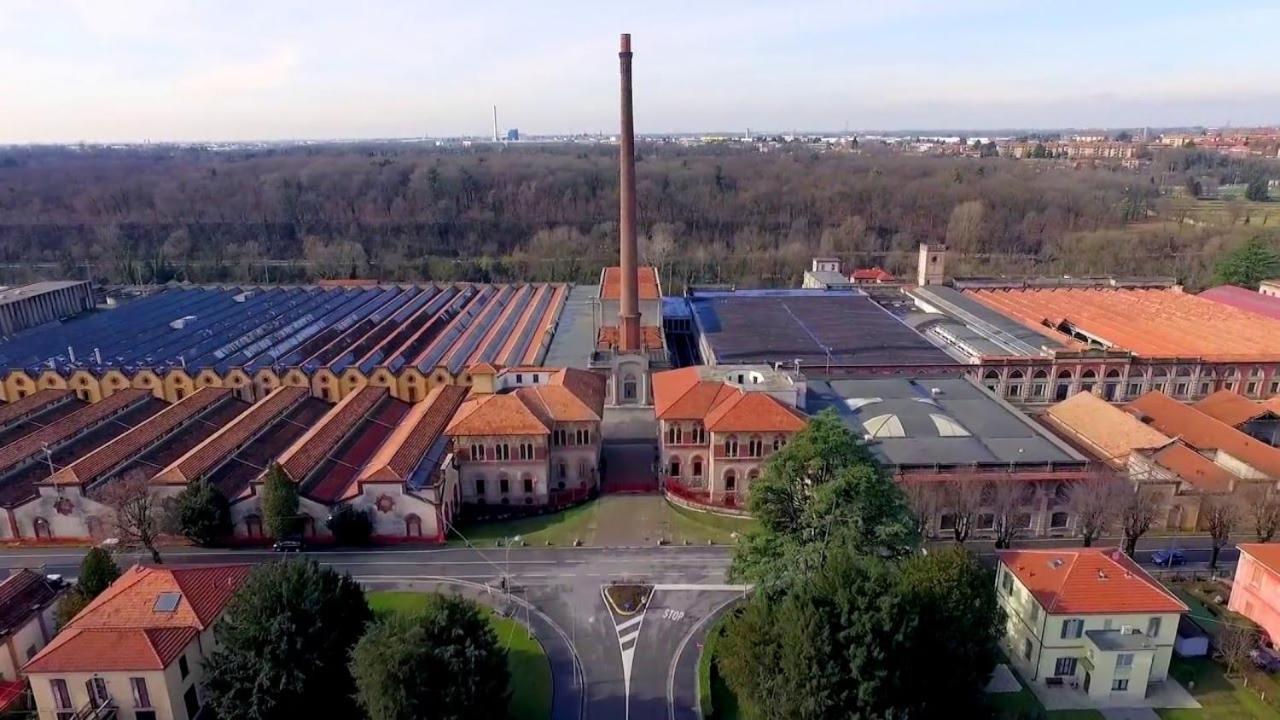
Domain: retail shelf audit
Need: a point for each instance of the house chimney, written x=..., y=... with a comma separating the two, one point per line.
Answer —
x=629, y=307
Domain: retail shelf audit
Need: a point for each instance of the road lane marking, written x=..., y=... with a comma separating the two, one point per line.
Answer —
x=624, y=625
x=698, y=586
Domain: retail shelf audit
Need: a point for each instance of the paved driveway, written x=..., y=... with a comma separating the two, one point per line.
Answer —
x=1129, y=714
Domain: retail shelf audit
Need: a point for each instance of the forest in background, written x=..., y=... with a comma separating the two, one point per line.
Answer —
x=709, y=214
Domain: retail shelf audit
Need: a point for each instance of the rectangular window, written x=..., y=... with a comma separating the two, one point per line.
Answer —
x=504, y=486
x=1072, y=628
x=528, y=485
x=61, y=696
x=1124, y=660
x=1120, y=685
x=1251, y=389
x=31, y=651
x=1035, y=613
x=1026, y=648
x=1134, y=390
x=141, y=698
x=519, y=379
x=185, y=670
x=480, y=487
x=986, y=521
x=1153, y=627
x=1255, y=576
x=191, y=701
x=1006, y=581
x=1037, y=390
x=1065, y=667
x=947, y=522
x=1181, y=390
x=1206, y=388
x=1013, y=391
x=1274, y=388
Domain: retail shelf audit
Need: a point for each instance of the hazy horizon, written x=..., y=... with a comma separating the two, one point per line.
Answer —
x=181, y=71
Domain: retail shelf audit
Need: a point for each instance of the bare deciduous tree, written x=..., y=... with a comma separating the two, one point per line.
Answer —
x=138, y=512
x=1009, y=500
x=962, y=499
x=926, y=500
x=1232, y=647
x=1220, y=515
x=1138, y=512
x=1096, y=502
x=1263, y=506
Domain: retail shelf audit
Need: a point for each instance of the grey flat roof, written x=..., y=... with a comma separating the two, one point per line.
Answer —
x=1116, y=640
x=937, y=421
x=22, y=292
x=1005, y=333
x=768, y=326
x=574, y=338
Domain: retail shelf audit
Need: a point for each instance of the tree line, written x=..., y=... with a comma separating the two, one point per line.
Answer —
x=709, y=214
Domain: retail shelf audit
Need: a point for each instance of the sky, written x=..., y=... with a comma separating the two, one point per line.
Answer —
x=187, y=70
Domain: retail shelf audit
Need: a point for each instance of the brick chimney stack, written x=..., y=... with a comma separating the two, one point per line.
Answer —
x=629, y=307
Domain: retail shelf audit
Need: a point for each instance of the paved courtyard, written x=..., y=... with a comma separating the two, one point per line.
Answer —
x=1168, y=694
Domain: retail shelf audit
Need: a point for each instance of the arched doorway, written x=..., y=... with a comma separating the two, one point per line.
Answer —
x=41, y=527
x=412, y=525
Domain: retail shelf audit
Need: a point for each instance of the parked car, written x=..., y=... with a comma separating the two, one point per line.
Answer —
x=289, y=543
x=1169, y=558
x=1264, y=659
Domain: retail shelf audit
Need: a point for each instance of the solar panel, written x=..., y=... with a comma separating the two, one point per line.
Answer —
x=167, y=602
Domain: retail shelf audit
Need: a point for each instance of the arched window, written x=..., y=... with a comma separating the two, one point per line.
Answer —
x=504, y=483
x=731, y=446
x=480, y=488
x=1088, y=375
x=779, y=442
x=755, y=446
x=1016, y=375
x=991, y=380
x=629, y=387
x=696, y=467
x=730, y=481
x=412, y=525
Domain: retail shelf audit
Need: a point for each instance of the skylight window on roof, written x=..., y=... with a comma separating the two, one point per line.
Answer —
x=884, y=426
x=948, y=427
x=855, y=404
x=167, y=602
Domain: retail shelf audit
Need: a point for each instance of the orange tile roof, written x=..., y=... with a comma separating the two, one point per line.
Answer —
x=134, y=442
x=1267, y=554
x=754, y=412
x=69, y=426
x=684, y=395
x=1148, y=323
x=1196, y=469
x=310, y=450
x=569, y=395
x=36, y=402
x=1103, y=429
x=646, y=279
x=121, y=629
x=211, y=453
x=503, y=414
x=409, y=443
x=1231, y=407
x=1205, y=433
x=1089, y=581
x=650, y=337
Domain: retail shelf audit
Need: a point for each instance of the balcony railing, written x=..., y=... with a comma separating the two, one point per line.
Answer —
x=94, y=710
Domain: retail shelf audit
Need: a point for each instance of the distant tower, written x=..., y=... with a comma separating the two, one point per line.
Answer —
x=932, y=269
x=629, y=305
x=495, y=123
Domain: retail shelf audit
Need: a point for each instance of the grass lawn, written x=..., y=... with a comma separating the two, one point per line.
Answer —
x=530, y=670
x=1221, y=698
x=612, y=520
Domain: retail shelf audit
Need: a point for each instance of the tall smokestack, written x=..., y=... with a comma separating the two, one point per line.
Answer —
x=495, y=123
x=629, y=307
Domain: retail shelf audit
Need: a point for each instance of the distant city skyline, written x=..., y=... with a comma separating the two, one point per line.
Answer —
x=180, y=70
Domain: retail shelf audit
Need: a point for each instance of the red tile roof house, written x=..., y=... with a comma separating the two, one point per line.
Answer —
x=1086, y=627
x=719, y=425
x=28, y=604
x=529, y=436
x=138, y=649
x=1255, y=592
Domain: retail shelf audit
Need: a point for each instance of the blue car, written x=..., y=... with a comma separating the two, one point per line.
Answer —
x=1169, y=558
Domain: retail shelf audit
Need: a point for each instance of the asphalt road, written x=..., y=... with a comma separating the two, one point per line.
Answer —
x=557, y=591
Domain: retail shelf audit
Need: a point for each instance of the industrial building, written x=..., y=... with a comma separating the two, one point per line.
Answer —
x=28, y=306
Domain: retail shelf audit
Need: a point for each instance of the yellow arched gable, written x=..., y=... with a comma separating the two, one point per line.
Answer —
x=148, y=380
x=325, y=385
x=208, y=378
x=112, y=382
x=177, y=385
x=382, y=377
x=440, y=376
x=264, y=381
x=412, y=386
x=86, y=385
x=18, y=385
x=238, y=380
x=296, y=378
x=51, y=380
x=352, y=380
